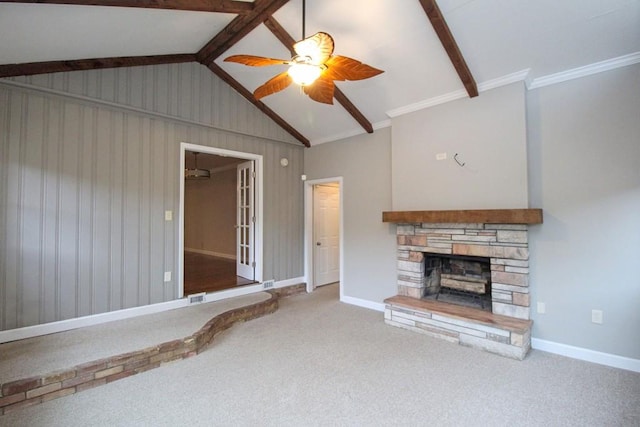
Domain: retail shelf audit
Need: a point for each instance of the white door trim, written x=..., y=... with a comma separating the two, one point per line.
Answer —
x=259, y=211
x=308, y=231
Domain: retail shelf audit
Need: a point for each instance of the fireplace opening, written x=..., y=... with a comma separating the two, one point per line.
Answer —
x=458, y=279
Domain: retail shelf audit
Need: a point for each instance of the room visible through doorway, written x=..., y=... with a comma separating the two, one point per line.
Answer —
x=219, y=218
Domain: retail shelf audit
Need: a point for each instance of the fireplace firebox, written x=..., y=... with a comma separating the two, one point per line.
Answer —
x=458, y=279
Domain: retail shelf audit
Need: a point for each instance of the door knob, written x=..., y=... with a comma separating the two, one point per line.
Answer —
x=318, y=244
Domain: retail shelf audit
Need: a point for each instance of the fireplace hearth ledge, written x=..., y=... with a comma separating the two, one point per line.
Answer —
x=466, y=326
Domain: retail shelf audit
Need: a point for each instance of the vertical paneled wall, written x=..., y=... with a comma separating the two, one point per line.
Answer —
x=84, y=187
x=188, y=91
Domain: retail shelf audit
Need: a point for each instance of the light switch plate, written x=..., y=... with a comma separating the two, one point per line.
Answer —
x=596, y=316
x=167, y=276
x=168, y=215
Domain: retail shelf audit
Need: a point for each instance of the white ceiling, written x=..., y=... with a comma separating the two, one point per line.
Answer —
x=496, y=37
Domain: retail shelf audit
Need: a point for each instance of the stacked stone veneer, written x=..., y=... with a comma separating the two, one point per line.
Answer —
x=31, y=391
x=506, y=245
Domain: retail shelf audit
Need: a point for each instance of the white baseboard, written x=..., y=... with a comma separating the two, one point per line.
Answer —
x=579, y=353
x=96, y=319
x=587, y=355
x=210, y=253
x=377, y=306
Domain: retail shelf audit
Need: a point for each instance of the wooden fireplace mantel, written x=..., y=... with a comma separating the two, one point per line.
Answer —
x=484, y=216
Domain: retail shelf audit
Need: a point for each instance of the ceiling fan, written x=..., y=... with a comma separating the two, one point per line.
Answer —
x=314, y=68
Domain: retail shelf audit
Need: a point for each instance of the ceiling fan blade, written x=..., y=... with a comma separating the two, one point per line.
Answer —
x=318, y=47
x=321, y=90
x=255, y=61
x=275, y=84
x=344, y=68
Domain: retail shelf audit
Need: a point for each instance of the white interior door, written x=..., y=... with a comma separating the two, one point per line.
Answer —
x=245, y=222
x=326, y=230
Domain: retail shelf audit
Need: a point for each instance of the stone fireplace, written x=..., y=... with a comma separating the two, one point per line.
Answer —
x=480, y=261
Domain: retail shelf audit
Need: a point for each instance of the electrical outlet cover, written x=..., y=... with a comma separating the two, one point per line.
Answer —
x=596, y=316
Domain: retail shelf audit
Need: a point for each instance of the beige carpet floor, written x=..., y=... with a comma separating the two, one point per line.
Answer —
x=45, y=354
x=317, y=361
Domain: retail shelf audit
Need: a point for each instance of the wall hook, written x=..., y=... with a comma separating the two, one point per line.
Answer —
x=458, y=161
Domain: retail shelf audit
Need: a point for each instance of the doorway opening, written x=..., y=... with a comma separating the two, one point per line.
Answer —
x=323, y=233
x=220, y=213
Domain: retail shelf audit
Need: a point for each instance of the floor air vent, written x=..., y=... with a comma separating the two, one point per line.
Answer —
x=268, y=284
x=196, y=298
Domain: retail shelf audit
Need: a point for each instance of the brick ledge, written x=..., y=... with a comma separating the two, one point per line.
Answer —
x=32, y=391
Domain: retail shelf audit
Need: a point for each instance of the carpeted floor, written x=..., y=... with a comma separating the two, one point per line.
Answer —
x=45, y=354
x=320, y=362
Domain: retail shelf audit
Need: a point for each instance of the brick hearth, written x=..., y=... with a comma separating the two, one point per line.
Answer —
x=462, y=325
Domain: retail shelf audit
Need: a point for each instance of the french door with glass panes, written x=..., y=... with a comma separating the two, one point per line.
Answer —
x=245, y=221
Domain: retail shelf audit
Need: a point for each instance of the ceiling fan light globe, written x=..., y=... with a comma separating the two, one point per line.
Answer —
x=304, y=74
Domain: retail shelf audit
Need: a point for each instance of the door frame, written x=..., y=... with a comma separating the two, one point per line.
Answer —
x=309, y=231
x=258, y=205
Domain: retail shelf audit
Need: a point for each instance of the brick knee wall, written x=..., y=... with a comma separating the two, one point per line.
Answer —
x=31, y=391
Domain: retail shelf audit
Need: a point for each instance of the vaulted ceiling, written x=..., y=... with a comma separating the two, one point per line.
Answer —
x=430, y=52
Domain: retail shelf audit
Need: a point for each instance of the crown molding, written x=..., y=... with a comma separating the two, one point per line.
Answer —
x=525, y=76
x=518, y=76
x=431, y=102
x=587, y=70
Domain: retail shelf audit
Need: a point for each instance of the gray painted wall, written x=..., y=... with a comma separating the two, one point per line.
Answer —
x=489, y=134
x=84, y=186
x=188, y=91
x=364, y=162
x=583, y=151
x=584, y=154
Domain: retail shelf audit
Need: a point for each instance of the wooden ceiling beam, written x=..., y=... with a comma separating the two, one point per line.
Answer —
x=226, y=77
x=230, y=35
x=352, y=109
x=281, y=34
x=288, y=41
x=237, y=29
x=32, y=68
x=450, y=46
x=220, y=6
